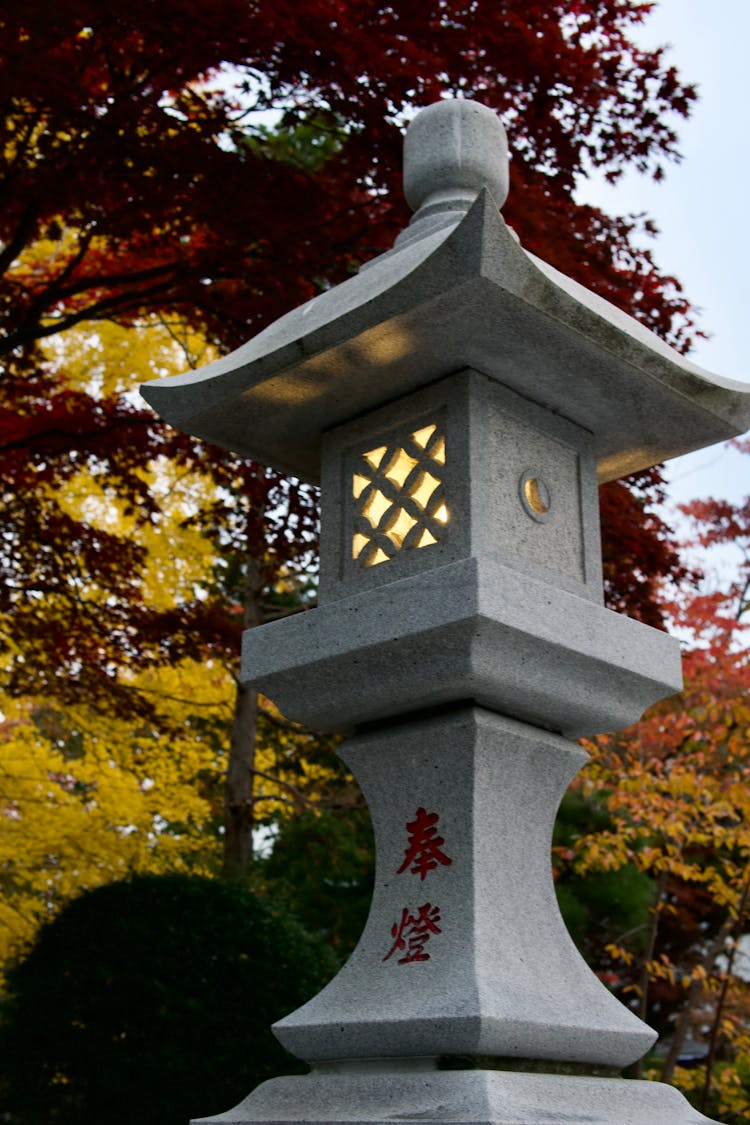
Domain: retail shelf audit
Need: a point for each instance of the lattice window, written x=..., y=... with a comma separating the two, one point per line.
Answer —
x=399, y=496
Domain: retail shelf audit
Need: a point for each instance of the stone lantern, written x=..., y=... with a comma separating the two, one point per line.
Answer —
x=459, y=400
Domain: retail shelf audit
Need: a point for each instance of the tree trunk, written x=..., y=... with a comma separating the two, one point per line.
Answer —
x=695, y=993
x=239, y=806
x=636, y=1070
x=239, y=812
x=713, y=1042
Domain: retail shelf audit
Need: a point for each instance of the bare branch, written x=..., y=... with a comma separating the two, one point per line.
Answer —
x=285, y=724
x=300, y=799
x=12, y=249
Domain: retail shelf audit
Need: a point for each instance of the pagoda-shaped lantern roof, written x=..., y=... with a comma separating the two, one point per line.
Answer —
x=456, y=291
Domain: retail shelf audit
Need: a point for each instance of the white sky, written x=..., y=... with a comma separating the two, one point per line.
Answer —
x=702, y=208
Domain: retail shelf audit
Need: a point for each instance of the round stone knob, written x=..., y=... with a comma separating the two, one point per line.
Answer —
x=452, y=149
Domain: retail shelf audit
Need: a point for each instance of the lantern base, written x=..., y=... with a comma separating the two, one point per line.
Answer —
x=474, y=1097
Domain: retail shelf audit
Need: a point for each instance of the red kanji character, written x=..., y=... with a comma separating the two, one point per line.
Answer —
x=423, y=851
x=412, y=934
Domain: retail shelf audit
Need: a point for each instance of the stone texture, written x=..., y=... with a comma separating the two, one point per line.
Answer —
x=502, y=978
x=466, y=296
x=452, y=149
x=463, y=631
x=477, y=1097
x=491, y=437
x=455, y=146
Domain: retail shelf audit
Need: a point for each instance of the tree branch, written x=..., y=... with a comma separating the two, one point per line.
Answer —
x=120, y=303
x=636, y=1071
x=694, y=993
x=285, y=724
x=736, y=934
x=12, y=249
x=299, y=797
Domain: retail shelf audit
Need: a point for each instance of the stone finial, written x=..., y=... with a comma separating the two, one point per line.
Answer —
x=452, y=149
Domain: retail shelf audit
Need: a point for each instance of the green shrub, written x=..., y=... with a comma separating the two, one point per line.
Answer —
x=150, y=1001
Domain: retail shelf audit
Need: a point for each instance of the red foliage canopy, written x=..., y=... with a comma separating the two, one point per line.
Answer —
x=136, y=140
x=113, y=129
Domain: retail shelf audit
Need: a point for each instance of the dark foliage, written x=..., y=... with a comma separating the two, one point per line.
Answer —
x=324, y=864
x=151, y=1000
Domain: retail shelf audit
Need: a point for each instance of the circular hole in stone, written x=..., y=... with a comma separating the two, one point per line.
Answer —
x=535, y=496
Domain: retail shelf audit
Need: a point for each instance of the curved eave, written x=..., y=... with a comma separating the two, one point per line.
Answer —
x=465, y=297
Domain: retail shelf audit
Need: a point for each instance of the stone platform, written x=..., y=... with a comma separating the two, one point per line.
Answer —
x=476, y=1097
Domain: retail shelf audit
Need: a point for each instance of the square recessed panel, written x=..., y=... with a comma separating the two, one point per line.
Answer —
x=460, y=469
x=527, y=495
x=398, y=495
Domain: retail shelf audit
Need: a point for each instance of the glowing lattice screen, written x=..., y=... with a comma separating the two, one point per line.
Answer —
x=398, y=496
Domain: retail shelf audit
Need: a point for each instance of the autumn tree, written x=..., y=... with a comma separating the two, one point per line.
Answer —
x=669, y=806
x=121, y=138
x=98, y=782
x=205, y=169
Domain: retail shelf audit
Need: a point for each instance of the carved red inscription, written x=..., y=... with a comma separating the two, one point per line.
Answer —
x=412, y=933
x=424, y=850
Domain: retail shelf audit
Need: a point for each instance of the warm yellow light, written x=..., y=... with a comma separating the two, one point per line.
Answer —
x=379, y=557
x=424, y=490
x=395, y=490
x=537, y=495
x=359, y=484
x=401, y=528
x=375, y=507
x=375, y=456
x=359, y=542
x=426, y=539
x=399, y=470
x=421, y=437
x=384, y=344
